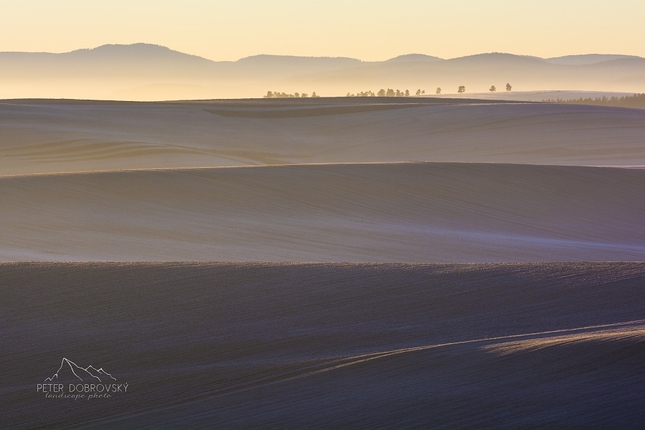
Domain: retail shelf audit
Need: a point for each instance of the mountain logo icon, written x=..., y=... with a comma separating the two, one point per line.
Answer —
x=70, y=370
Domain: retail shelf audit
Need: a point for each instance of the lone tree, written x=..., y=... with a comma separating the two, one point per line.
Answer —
x=508, y=87
x=438, y=92
x=492, y=89
x=462, y=89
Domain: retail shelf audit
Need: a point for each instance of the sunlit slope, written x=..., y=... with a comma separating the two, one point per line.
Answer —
x=405, y=212
x=58, y=136
x=329, y=346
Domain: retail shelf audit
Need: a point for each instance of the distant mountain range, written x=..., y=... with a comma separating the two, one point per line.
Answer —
x=152, y=72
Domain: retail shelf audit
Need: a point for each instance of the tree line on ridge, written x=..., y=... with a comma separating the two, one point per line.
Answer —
x=369, y=93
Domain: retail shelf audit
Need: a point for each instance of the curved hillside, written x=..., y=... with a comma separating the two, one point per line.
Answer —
x=329, y=345
x=406, y=212
x=38, y=137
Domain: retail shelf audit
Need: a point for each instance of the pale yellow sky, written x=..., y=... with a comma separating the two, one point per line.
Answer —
x=365, y=29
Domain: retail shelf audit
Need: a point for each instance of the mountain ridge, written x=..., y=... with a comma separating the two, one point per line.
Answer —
x=153, y=72
x=148, y=48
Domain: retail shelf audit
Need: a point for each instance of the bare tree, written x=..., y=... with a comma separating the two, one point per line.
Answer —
x=508, y=87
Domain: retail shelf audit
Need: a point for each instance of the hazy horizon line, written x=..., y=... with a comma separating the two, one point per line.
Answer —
x=318, y=56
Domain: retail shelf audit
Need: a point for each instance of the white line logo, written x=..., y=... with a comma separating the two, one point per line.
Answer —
x=83, y=374
x=72, y=381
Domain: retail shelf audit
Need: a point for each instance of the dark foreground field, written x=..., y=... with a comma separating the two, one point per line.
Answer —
x=327, y=345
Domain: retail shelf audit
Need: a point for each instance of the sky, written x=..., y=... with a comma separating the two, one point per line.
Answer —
x=369, y=30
